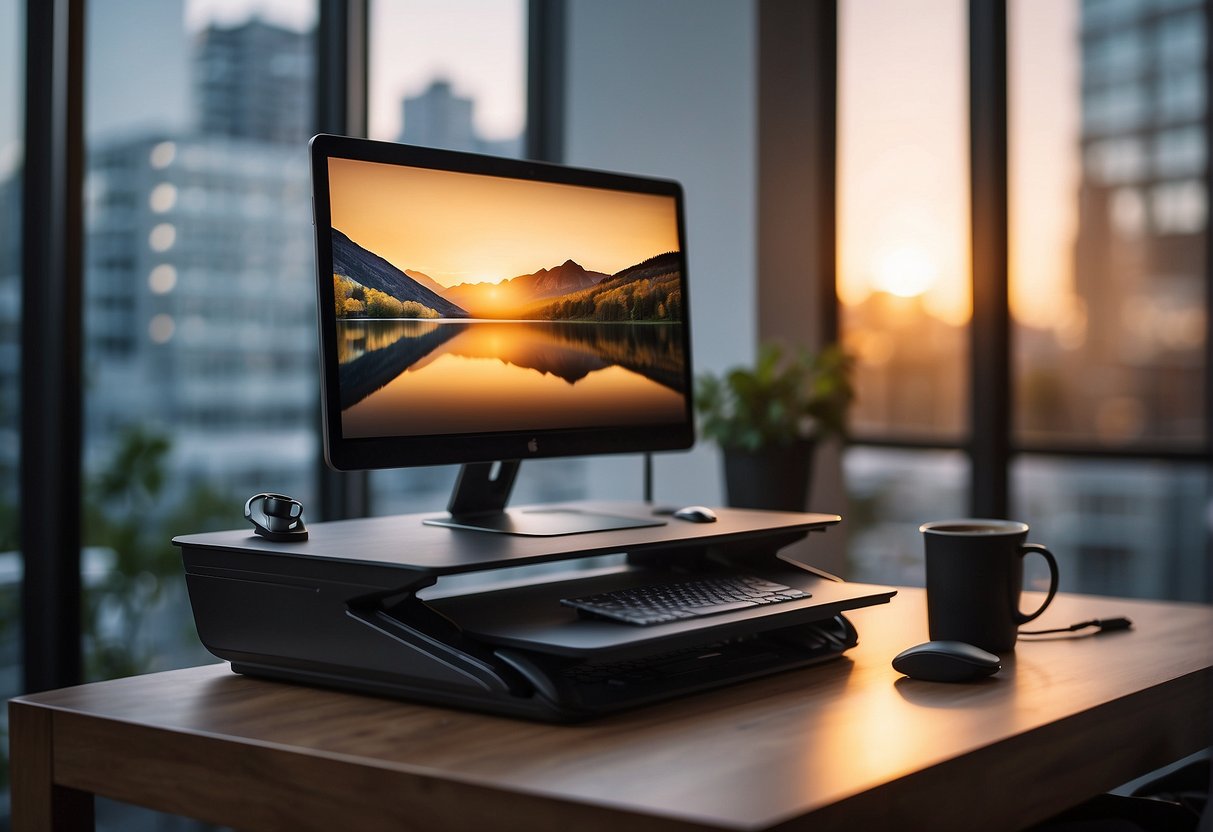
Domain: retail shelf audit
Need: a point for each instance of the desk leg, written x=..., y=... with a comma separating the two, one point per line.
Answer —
x=39, y=804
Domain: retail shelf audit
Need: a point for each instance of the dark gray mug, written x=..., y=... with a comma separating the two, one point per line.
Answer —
x=974, y=580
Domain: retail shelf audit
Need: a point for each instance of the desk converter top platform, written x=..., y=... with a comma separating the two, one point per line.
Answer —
x=404, y=542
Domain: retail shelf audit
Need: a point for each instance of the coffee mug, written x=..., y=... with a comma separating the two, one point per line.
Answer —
x=974, y=580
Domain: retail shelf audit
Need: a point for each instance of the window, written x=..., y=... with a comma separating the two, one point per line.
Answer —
x=199, y=303
x=1108, y=444
x=1181, y=95
x=903, y=238
x=449, y=74
x=1108, y=282
x=1179, y=152
x=1109, y=288
x=888, y=502
x=903, y=272
x=1119, y=527
x=1179, y=39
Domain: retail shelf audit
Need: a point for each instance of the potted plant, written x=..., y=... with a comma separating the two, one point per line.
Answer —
x=767, y=420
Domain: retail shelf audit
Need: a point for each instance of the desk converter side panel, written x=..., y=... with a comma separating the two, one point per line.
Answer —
x=307, y=625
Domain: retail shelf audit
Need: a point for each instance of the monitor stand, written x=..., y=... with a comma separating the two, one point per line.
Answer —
x=482, y=490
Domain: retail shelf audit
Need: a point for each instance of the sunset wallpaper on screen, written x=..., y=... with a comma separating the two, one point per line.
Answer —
x=467, y=303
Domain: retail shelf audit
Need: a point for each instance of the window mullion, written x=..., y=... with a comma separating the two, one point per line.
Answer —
x=547, y=32
x=51, y=344
x=341, y=108
x=990, y=332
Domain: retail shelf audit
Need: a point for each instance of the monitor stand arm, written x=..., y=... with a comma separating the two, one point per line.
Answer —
x=478, y=503
x=483, y=488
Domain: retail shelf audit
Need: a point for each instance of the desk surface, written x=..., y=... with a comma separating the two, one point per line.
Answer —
x=843, y=745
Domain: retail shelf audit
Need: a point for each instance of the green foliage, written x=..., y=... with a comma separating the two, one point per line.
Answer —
x=646, y=298
x=781, y=399
x=413, y=309
x=353, y=300
x=341, y=293
x=120, y=503
x=380, y=304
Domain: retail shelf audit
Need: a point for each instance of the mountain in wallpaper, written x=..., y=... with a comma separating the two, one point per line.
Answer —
x=368, y=286
x=426, y=281
x=651, y=290
x=369, y=269
x=517, y=292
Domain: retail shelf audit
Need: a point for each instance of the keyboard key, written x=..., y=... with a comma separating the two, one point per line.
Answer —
x=661, y=603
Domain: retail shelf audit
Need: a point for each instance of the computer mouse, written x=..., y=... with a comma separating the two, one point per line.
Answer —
x=696, y=514
x=946, y=661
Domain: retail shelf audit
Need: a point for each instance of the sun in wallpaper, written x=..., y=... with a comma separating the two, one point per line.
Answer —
x=467, y=303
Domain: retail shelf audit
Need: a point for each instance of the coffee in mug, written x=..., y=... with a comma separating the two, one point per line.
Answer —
x=974, y=580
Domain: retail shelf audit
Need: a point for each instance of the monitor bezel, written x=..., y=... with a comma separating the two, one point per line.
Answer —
x=367, y=453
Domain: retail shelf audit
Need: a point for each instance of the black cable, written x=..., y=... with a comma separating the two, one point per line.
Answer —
x=1104, y=625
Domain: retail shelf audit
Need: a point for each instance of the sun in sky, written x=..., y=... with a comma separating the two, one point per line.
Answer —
x=904, y=200
x=905, y=272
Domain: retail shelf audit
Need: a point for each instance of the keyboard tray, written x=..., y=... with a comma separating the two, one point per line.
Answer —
x=531, y=617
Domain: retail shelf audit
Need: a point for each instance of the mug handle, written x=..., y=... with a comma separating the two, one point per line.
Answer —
x=1024, y=618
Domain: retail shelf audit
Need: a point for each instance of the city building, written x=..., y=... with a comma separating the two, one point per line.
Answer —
x=1140, y=253
x=199, y=274
x=200, y=307
x=253, y=81
x=439, y=117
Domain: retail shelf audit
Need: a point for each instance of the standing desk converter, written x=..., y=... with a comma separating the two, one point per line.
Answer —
x=370, y=605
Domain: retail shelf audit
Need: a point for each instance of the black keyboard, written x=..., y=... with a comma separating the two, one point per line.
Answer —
x=660, y=603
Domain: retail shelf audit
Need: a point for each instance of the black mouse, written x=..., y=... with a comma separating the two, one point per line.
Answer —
x=696, y=514
x=946, y=661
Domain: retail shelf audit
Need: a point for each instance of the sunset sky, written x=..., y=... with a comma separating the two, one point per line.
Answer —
x=903, y=154
x=904, y=161
x=460, y=228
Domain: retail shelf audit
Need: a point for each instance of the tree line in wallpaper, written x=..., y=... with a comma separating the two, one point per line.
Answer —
x=366, y=285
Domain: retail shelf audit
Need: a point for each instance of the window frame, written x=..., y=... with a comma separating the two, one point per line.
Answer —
x=52, y=233
x=991, y=446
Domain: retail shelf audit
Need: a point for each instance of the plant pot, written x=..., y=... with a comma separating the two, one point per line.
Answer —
x=773, y=478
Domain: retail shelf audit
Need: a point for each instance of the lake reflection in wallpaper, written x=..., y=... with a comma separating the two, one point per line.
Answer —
x=430, y=377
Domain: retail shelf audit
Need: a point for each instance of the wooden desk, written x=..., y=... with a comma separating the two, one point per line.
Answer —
x=849, y=745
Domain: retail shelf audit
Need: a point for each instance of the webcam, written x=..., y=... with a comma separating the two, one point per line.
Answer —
x=276, y=517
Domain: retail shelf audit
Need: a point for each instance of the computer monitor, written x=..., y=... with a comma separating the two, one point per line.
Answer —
x=483, y=311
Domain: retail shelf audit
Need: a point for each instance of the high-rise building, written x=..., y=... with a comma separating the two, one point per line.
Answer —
x=439, y=117
x=200, y=306
x=253, y=81
x=199, y=284
x=1140, y=251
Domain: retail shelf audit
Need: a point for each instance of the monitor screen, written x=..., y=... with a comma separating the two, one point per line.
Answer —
x=476, y=309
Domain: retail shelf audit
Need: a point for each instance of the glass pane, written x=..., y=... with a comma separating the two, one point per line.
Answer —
x=1119, y=527
x=888, y=503
x=200, y=357
x=903, y=208
x=1108, y=221
x=12, y=126
x=452, y=74
x=449, y=73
